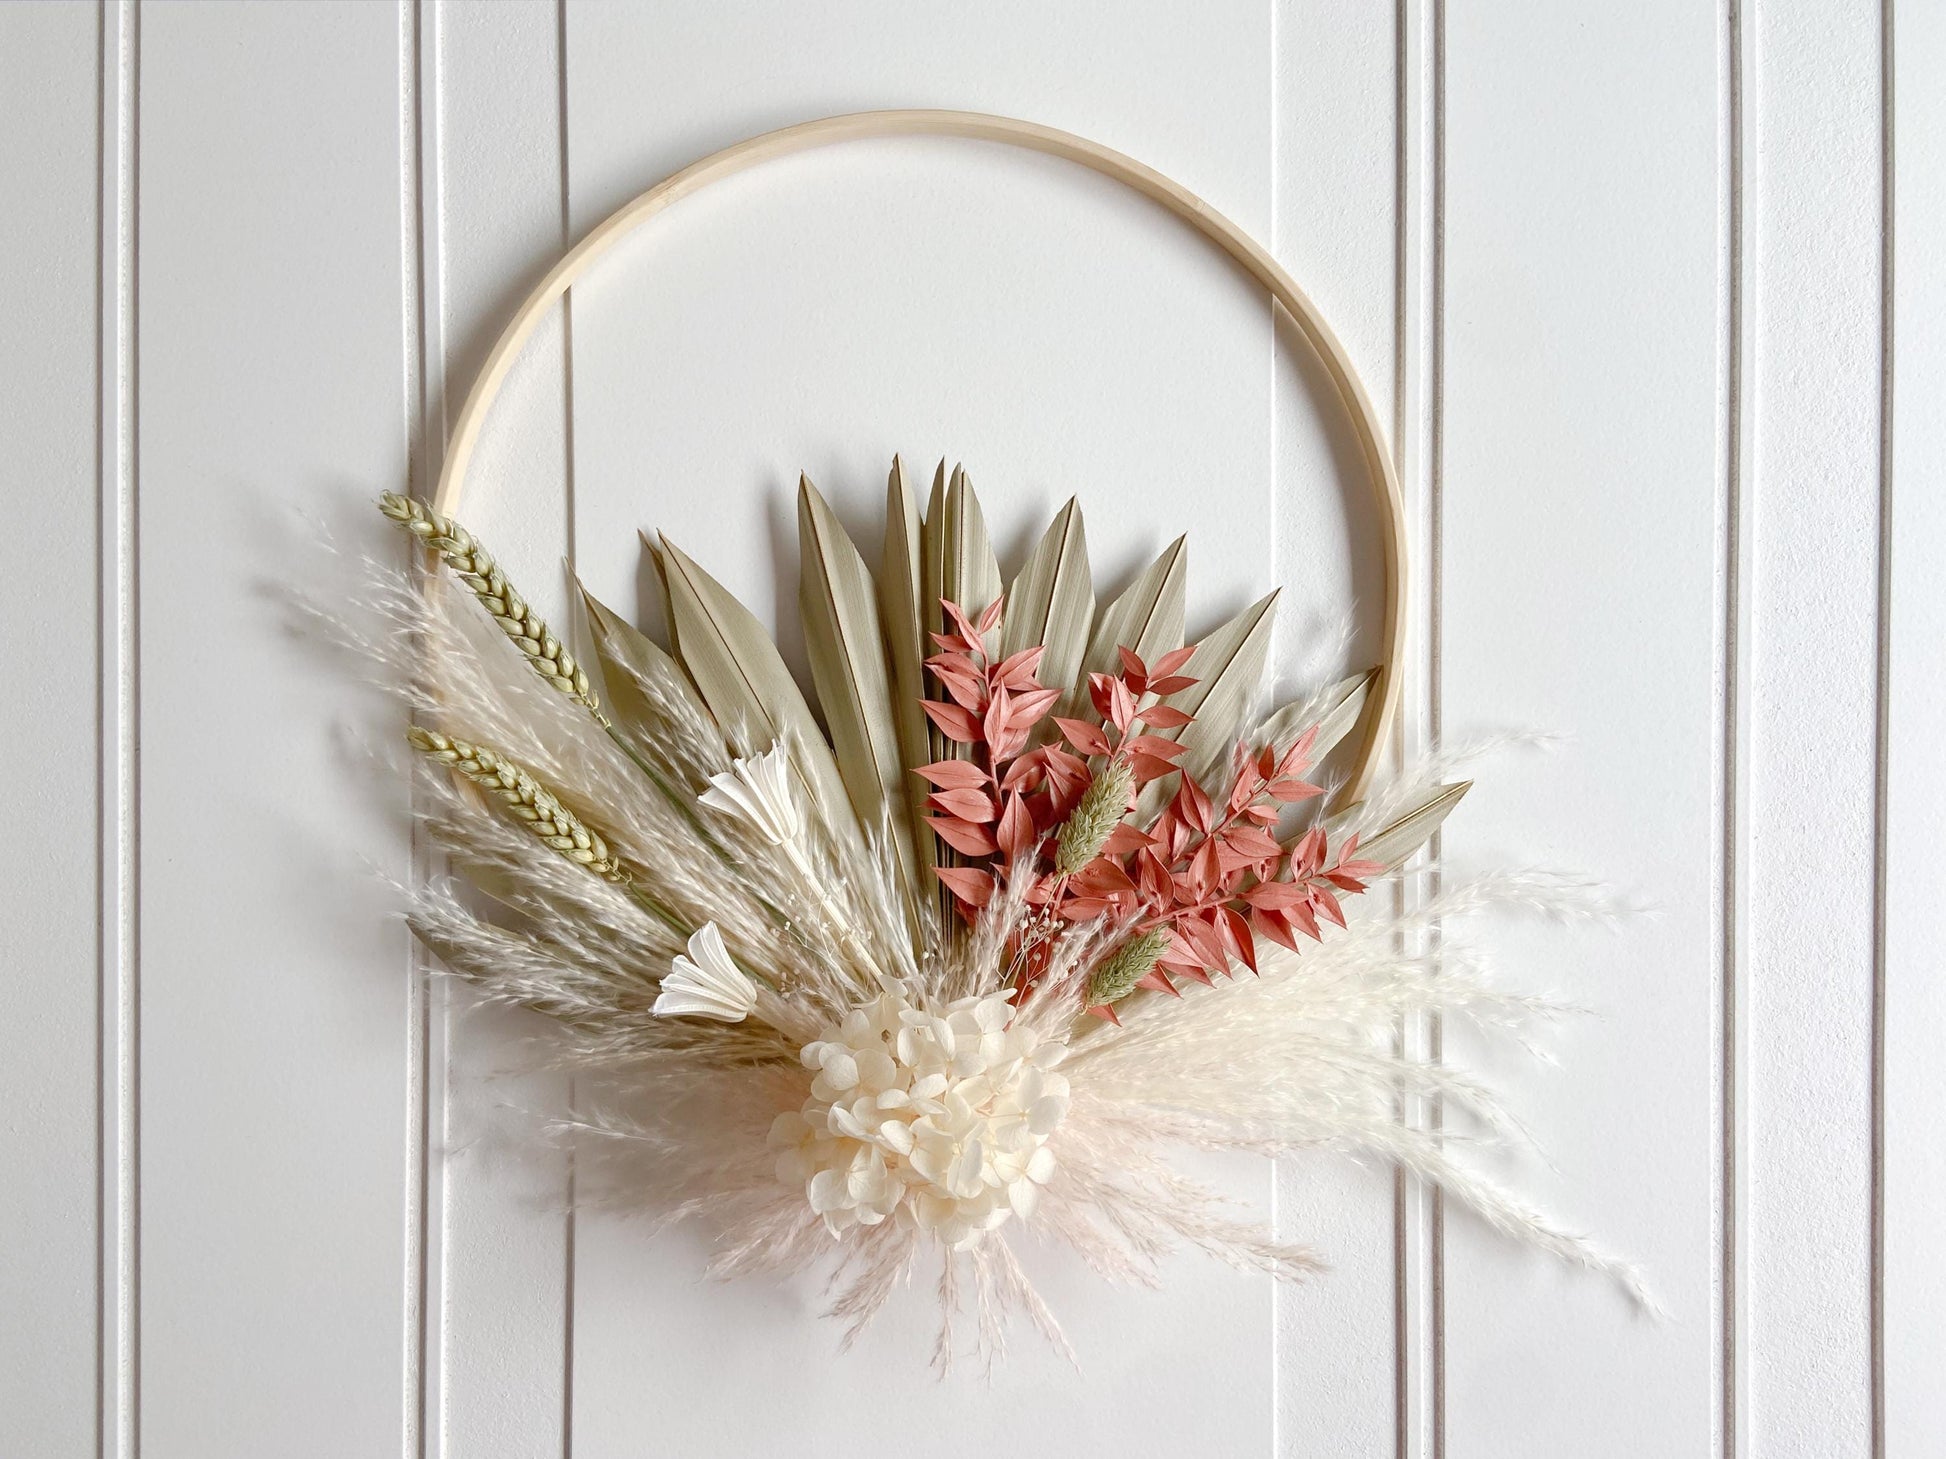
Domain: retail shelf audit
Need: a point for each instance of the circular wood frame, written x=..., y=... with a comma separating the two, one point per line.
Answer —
x=1092, y=155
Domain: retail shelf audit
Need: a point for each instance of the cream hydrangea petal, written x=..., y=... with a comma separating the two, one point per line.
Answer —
x=936, y=1116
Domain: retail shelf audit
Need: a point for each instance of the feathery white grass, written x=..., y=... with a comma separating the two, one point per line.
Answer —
x=1301, y=1058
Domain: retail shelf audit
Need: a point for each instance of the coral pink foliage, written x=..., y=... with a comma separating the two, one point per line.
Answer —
x=1210, y=873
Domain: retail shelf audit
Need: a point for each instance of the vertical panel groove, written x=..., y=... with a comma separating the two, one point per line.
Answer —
x=568, y=508
x=1278, y=1377
x=1882, y=729
x=104, y=658
x=417, y=1324
x=1419, y=1306
x=1401, y=291
x=1731, y=732
x=1435, y=671
x=118, y=764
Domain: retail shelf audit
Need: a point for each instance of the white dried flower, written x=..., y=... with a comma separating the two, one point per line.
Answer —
x=941, y=1119
x=707, y=983
x=758, y=791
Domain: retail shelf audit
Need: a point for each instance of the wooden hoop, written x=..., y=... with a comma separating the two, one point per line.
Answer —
x=1092, y=155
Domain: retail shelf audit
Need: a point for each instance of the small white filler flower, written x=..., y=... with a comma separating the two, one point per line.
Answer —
x=706, y=983
x=758, y=790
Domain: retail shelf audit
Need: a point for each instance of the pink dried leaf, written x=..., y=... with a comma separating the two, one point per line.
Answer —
x=953, y=774
x=1193, y=806
x=1172, y=661
x=1015, y=832
x=965, y=805
x=964, y=837
x=1017, y=670
x=1085, y=737
x=1292, y=791
x=971, y=885
x=962, y=625
x=1155, y=745
x=955, y=722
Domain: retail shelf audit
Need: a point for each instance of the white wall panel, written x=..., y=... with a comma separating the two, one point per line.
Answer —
x=1813, y=213
x=273, y=1150
x=1337, y=206
x=1575, y=589
x=490, y=213
x=50, y=116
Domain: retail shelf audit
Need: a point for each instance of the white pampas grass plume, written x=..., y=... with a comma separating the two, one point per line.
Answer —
x=739, y=986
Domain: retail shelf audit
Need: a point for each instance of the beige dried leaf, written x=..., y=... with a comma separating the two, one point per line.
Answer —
x=654, y=550
x=1391, y=846
x=1334, y=711
x=1052, y=602
x=1228, y=667
x=628, y=657
x=1147, y=617
x=900, y=583
x=959, y=565
x=843, y=638
x=969, y=573
x=750, y=693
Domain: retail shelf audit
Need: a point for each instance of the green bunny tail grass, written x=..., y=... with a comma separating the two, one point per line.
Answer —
x=1089, y=825
x=1126, y=966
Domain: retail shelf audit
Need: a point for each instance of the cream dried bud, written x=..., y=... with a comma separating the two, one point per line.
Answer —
x=1093, y=820
x=1126, y=966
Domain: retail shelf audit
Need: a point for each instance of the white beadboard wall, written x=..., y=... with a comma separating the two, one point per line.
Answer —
x=1653, y=298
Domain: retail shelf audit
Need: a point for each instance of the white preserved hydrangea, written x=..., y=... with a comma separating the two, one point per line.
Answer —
x=940, y=1119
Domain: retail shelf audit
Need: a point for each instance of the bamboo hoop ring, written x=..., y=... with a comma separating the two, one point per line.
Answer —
x=1033, y=137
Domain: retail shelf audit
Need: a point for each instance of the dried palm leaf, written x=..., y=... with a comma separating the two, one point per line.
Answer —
x=959, y=562
x=629, y=660
x=1052, y=600
x=1147, y=618
x=1334, y=711
x=900, y=585
x=1228, y=667
x=750, y=693
x=843, y=637
x=1391, y=845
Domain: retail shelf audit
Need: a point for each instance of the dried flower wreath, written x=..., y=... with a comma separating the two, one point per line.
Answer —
x=1039, y=902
